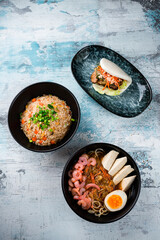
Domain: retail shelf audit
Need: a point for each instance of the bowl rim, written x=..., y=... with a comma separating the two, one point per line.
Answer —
x=100, y=46
x=55, y=148
x=63, y=180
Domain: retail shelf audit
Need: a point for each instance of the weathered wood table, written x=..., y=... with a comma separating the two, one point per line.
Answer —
x=38, y=39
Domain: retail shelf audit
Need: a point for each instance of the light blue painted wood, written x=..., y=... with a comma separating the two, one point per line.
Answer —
x=37, y=41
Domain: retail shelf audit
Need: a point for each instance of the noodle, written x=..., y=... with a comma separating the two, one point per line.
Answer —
x=91, y=211
x=98, y=209
x=97, y=197
x=100, y=150
x=96, y=204
x=102, y=183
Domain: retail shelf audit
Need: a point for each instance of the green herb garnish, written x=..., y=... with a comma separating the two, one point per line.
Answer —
x=44, y=116
x=73, y=120
x=50, y=106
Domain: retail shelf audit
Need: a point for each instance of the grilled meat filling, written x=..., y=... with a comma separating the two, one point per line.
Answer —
x=97, y=77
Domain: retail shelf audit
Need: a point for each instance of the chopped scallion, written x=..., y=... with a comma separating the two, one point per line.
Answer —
x=44, y=117
x=50, y=106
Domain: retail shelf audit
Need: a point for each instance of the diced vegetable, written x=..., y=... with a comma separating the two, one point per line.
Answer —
x=23, y=121
x=34, y=99
x=92, y=177
x=50, y=106
x=34, y=139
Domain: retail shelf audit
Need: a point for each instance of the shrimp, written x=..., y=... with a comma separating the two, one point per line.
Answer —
x=85, y=156
x=91, y=161
x=69, y=189
x=82, y=190
x=73, y=180
x=78, y=185
x=79, y=166
x=77, y=175
x=85, y=203
x=82, y=203
x=82, y=160
x=75, y=191
x=70, y=173
x=92, y=185
x=82, y=184
x=84, y=195
x=76, y=197
x=84, y=178
x=88, y=202
x=70, y=183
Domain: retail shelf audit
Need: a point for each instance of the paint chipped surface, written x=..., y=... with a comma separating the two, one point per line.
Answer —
x=152, y=12
x=2, y=180
x=38, y=40
x=21, y=171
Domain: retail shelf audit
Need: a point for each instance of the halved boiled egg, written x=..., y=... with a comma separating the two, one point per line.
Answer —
x=115, y=200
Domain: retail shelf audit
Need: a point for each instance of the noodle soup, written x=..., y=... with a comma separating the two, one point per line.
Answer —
x=89, y=182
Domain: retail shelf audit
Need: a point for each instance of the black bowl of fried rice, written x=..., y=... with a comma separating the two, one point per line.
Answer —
x=43, y=117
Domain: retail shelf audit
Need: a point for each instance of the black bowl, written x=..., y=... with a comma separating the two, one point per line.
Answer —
x=133, y=192
x=38, y=89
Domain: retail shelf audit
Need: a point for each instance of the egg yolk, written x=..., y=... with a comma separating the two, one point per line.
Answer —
x=114, y=201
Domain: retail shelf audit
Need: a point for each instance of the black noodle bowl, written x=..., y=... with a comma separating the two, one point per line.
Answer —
x=133, y=193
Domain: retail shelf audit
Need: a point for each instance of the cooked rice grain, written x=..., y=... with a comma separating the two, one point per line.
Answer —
x=60, y=126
